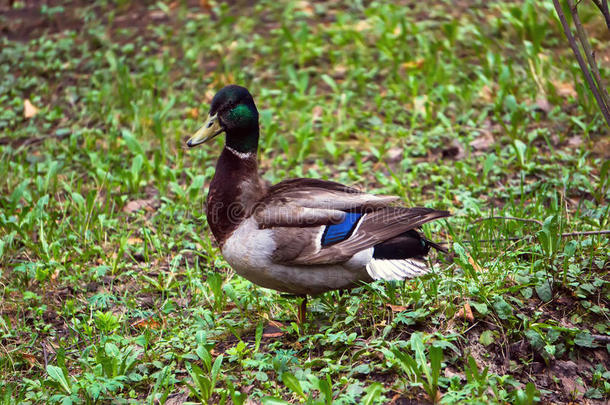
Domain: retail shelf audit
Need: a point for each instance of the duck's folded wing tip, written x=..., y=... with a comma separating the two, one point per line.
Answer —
x=396, y=269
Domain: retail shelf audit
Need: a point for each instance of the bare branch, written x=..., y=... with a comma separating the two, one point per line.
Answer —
x=601, y=338
x=527, y=237
x=584, y=233
x=581, y=62
x=603, y=7
x=511, y=218
x=584, y=41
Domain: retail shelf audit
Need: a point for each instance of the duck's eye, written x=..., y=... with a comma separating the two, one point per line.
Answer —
x=209, y=124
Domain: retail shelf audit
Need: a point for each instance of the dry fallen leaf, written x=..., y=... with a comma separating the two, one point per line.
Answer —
x=273, y=334
x=413, y=64
x=394, y=154
x=146, y=323
x=465, y=313
x=209, y=95
x=395, y=398
x=419, y=104
x=55, y=274
x=564, y=89
x=29, y=358
x=468, y=312
x=273, y=329
x=149, y=204
x=277, y=324
x=157, y=14
x=134, y=241
x=362, y=25
x=396, y=308
x=437, y=399
x=482, y=142
x=177, y=399
x=474, y=264
x=486, y=94
x=543, y=104
x=339, y=71
x=305, y=7
x=575, y=141
x=28, y=109
x=316, y=113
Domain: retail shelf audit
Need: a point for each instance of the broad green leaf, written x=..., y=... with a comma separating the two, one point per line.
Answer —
x=480, y=307
x=544, y=291
x=502, y=308
x=293, y=384
x=132, y=143
x=330, y=81
x=196, y=186
x=487, y=337
x=521, y=150
x=372, y=394
x=111, y=349
x=569, y=249
x=58, y=376
x=489, y=164
x=417, y=345
x=436, y=357
x=258, y=335
x=585, y=339
x=534, y=339
x=204, y=355
x=325, y=387
x=216, y=369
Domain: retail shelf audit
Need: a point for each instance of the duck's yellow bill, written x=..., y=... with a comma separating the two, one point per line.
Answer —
x=209, y=130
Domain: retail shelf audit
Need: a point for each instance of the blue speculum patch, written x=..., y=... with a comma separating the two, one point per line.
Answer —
x=339, y=232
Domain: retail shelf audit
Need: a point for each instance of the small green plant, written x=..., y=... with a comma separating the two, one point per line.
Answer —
x=204, y=380
x=420, y=369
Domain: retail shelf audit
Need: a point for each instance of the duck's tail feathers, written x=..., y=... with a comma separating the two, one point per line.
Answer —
x=396, y=269
x=437, y=246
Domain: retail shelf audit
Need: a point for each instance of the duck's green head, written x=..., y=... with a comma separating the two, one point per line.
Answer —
x=233, y=112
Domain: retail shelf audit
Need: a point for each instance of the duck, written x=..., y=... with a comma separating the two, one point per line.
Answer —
x=302, y=236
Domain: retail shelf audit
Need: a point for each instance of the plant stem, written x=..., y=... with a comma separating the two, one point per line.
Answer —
x=581, y=62
x=589, y=54
x=603, y=7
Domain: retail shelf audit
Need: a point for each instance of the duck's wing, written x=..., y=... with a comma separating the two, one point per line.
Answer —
x=337, y=243
x=320, y=222
x=312, y=202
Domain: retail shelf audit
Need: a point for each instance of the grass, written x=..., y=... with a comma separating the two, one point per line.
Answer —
x=113, y=291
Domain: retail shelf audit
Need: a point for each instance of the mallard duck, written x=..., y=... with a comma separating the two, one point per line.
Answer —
x=301, y=236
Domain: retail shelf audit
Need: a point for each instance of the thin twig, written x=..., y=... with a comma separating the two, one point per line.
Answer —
x=601, y=338
x=581, y=62
x=25, y=142
x=584, y=41
x=516, y=238
x=584, y=233
x=45, y=355
x=511, y=218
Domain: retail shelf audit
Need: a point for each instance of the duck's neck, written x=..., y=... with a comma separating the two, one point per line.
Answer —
x=235, y=189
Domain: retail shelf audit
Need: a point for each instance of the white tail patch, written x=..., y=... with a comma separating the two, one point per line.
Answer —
x=396, y=269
